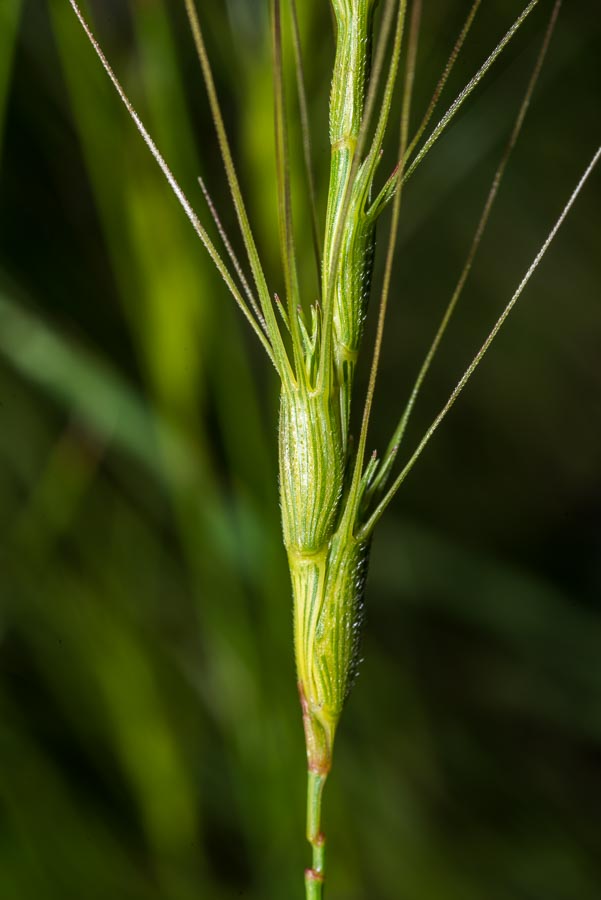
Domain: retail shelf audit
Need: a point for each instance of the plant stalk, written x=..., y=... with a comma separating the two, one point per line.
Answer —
x=314, y=877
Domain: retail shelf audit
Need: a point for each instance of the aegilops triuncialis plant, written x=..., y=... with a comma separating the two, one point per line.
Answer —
x=332, y=493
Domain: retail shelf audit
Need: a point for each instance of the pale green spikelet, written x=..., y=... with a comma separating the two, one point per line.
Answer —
x=328, y=590
x=349, y=235
x=311, y=467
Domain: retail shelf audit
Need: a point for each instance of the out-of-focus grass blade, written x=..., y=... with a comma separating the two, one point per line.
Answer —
x=10, y=11
x=162, y=72
x=172, y=300
x=55, y=844
x=90, y=390
x=79, y=625
x=94, y=394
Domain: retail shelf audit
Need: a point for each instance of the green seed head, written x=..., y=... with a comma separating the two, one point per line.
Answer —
x=352, y=284
x=311, y=468
x=328, y=592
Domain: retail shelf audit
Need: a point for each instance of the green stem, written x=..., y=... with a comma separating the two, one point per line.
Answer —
x=314, y=877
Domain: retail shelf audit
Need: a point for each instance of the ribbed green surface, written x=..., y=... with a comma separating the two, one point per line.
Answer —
x=328, y=590
x=311, y=468
x=348, y=249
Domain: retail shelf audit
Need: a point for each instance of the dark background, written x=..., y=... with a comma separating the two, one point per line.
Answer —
x=150, y=740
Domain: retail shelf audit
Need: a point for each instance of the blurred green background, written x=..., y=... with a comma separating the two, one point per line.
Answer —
x=150, y=741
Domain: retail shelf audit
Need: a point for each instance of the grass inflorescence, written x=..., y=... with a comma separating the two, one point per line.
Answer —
x=332, y=491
